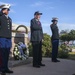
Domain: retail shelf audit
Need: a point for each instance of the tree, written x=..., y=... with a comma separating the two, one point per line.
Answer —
x=72, y=34
x=65, y=37
x=68, y=36
x=64, y=32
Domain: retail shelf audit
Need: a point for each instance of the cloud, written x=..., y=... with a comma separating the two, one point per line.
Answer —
x=37, y=4
x=50, y=7
x=7, y=3
x=42, y=4
x=68, y=26
x=45, y=5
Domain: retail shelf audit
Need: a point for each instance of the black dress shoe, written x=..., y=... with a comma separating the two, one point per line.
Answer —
x=55, y=60
x=37, y=66
x=3, y=73
x=58, y=60
x=7, y=71
x=42, y=64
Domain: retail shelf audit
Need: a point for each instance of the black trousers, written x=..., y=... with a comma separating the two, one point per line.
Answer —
x=5, y=57
x=55, y=44
x=37, y=53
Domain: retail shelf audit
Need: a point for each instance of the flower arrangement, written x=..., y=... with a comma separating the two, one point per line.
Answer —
x=19, y=51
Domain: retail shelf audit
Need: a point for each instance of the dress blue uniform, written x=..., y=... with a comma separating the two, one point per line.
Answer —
x=55, y=40
x=5, y=39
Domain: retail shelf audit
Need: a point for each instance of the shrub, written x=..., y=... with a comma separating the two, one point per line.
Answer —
x=63, y=51
x=30, y=50
x=63, y=54
x=48, y=53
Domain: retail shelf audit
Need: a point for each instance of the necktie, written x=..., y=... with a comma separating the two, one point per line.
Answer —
x=39, y=23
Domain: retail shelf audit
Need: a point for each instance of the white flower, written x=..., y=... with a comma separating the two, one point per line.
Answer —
x=18, y=52
x=16, y=49
x=14, y=52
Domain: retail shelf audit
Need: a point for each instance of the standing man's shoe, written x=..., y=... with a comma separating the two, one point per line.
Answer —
x=36, y=66
x=1, y=73
x=9, y=71
x=58, y=60
x=55, y=60
x=42, y=64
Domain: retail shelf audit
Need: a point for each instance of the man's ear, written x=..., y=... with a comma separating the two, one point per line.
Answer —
x=3, y=11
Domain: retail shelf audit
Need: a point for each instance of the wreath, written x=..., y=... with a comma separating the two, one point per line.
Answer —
x=19, y=51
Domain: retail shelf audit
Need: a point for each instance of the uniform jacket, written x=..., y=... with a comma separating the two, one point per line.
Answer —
x=36, y=31
x=5, y=26
x=55, y=32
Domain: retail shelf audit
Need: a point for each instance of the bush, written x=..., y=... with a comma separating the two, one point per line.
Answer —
x=48, y=53
x=63, y=54
x=46, y=46
x=63, y=51
x=30, y=50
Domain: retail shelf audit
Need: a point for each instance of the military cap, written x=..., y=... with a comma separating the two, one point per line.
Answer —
x=37, y=13
x=5, y=6
x=54, y=19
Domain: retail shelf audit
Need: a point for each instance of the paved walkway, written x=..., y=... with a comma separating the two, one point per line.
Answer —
x=65, y=67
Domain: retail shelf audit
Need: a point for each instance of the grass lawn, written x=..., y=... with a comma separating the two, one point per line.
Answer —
x=71, y=55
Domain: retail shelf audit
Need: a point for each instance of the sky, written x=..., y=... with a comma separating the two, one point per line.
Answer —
x=22, y=11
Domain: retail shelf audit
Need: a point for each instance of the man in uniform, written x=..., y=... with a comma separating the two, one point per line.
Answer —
x=36, y=39
x=5, y=38
x=55, y=39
